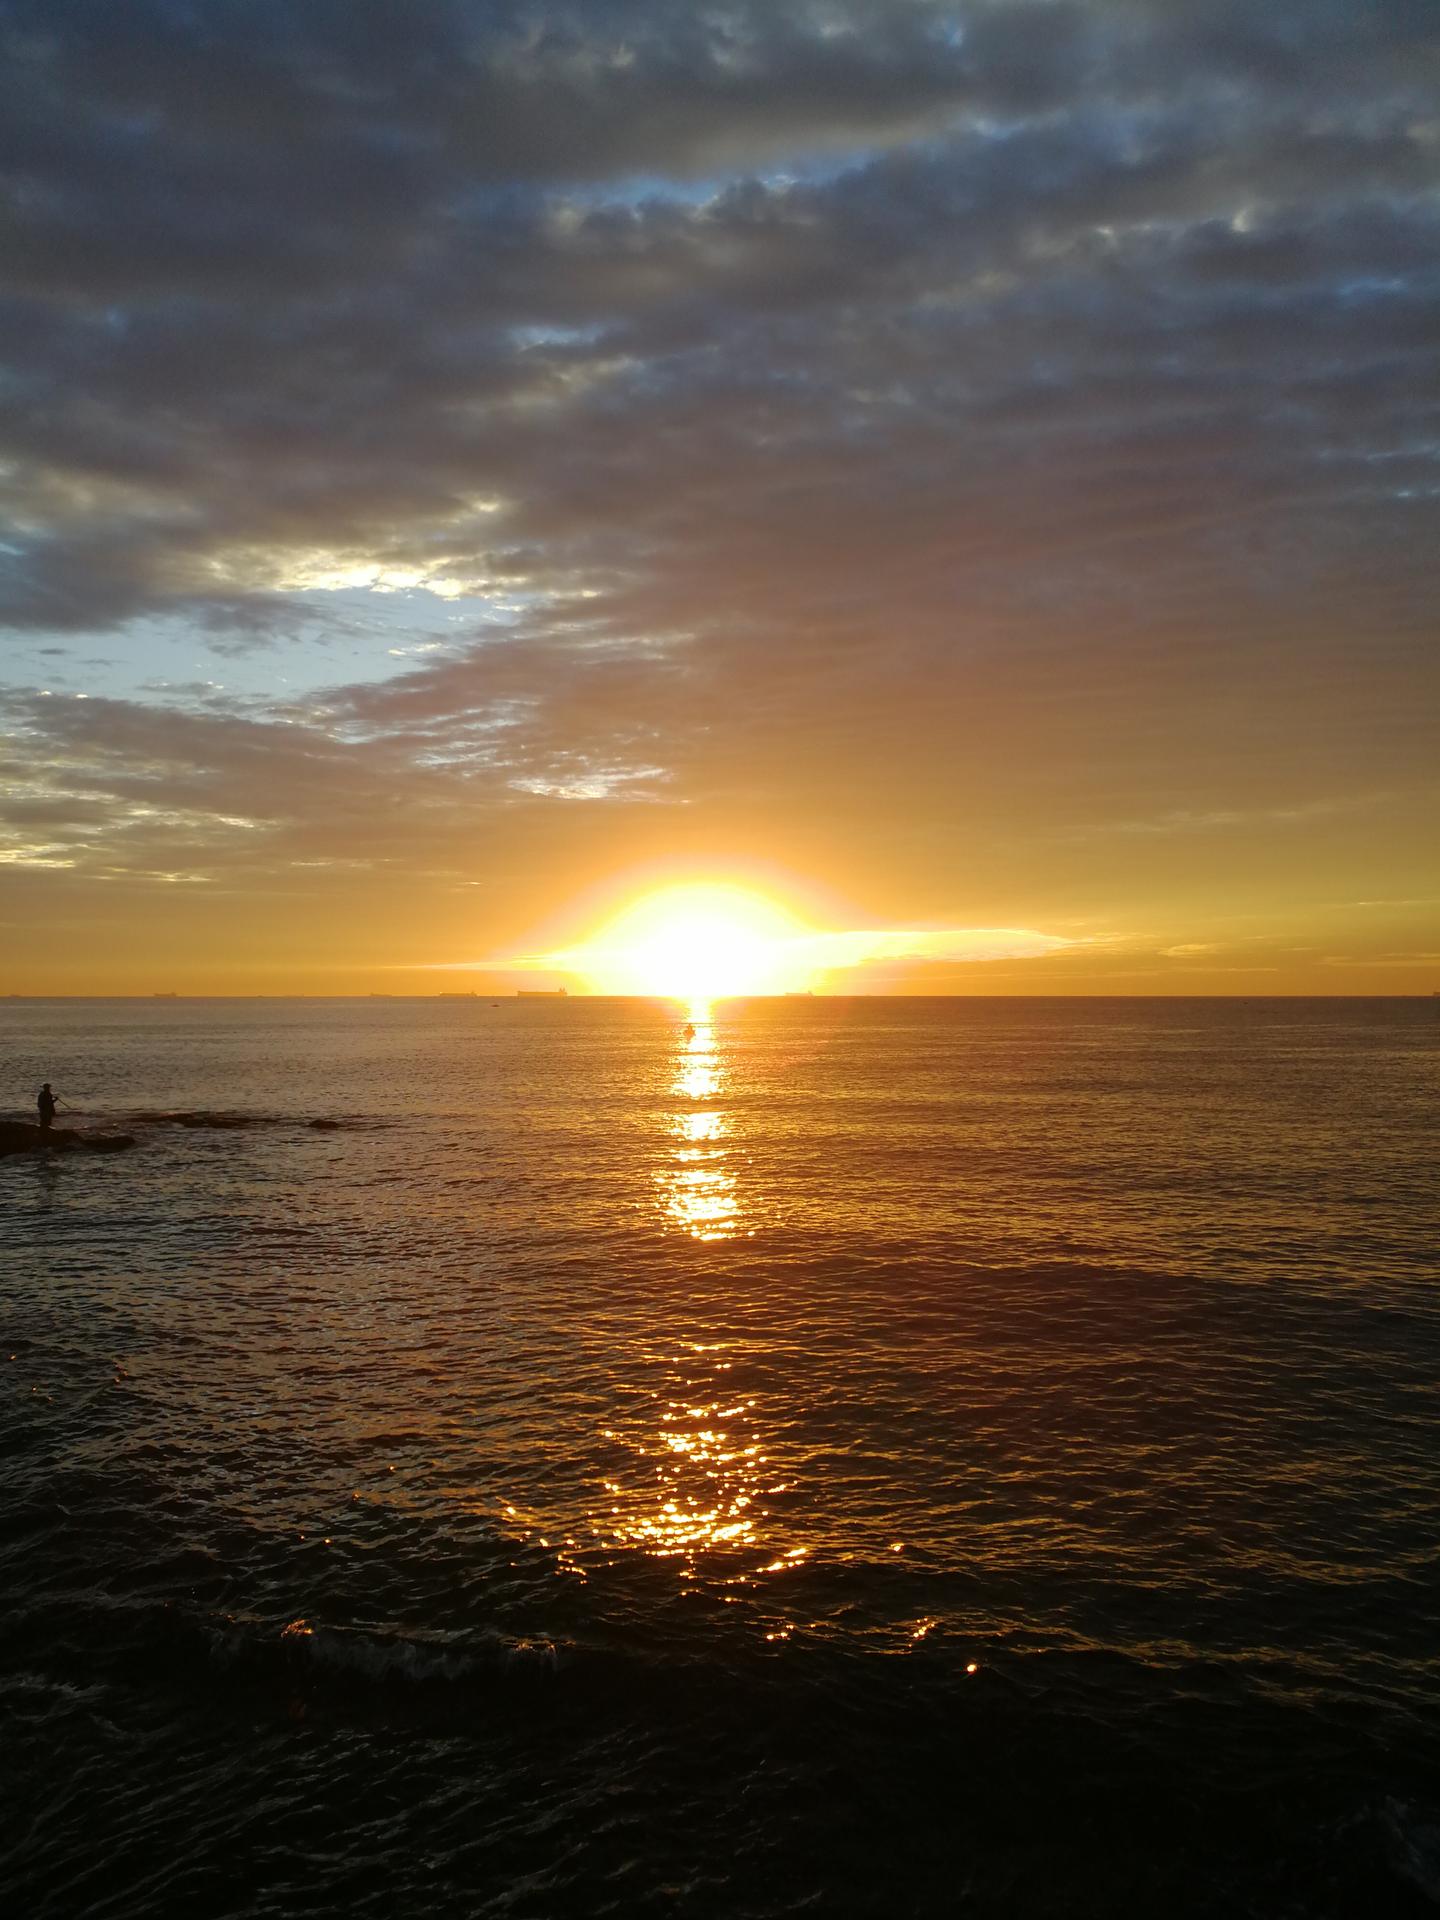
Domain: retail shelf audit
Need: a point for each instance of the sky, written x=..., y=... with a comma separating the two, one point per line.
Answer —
x=968, y=473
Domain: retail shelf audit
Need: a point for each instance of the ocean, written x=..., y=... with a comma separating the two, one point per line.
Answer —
x=854, y=1457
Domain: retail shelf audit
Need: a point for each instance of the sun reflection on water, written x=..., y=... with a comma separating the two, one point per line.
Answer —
x=696, y=1480
x=698, y=1191
x=689, y=1479
x=705, y=1465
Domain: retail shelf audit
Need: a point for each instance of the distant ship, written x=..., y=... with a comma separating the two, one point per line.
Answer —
x=164, y=996
x=541, y=993
x=457, y=996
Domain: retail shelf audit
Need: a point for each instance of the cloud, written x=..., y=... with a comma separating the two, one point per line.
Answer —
x=908, y=432
x=210, y=389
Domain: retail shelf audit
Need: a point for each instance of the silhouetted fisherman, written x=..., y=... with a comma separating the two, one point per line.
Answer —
x=45, y=1101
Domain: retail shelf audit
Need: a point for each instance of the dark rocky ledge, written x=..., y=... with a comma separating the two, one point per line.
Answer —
x=19, y=1136
x=211, y=1118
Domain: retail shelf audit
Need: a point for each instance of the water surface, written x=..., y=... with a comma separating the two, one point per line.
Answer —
x=857, y=1457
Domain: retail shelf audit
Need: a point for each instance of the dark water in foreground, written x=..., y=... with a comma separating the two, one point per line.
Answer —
x=877, y=1458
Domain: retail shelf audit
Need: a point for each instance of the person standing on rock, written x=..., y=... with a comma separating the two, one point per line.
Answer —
x=45, y=1101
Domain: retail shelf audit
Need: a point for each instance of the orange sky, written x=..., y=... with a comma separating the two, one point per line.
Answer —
x=952, y=468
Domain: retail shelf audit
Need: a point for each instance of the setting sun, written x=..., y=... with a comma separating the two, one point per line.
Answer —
x=695, y=943
x=699, y=941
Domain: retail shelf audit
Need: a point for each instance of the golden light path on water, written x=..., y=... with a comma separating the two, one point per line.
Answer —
x=697, y=1472
x=697, y=1186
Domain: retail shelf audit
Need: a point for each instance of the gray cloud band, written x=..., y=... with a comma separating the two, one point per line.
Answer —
x=825, y=360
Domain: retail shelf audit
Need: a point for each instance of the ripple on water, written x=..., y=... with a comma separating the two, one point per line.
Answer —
x=727, y=1471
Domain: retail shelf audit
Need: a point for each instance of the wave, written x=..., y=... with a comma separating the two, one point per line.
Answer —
x=161, y=1646
x=1412, y=1845
x=418, y=1660
x=1147, y=1779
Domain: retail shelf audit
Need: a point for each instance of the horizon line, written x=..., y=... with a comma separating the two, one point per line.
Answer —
x=673, y=999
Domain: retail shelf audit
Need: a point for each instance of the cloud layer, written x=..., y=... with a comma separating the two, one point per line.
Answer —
x=984, y=456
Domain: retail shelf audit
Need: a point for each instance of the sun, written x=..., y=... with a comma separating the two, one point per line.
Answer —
x=696, y=943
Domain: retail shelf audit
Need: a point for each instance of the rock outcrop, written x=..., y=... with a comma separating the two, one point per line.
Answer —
x=206, y=1117
x=19, y=1136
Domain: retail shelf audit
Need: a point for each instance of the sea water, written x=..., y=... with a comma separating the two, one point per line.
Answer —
x=851, y=1457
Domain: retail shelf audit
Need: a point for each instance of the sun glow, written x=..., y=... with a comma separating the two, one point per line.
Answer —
x=709, y=940
x=696, y=943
